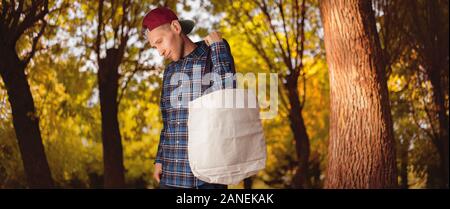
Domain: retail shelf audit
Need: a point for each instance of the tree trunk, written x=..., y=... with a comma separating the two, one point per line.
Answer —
x=435, y=54
x=441, y=142
x=108, y=82
x=25, y=120
x=404, y=146
x=298, y=128
x=361, y=147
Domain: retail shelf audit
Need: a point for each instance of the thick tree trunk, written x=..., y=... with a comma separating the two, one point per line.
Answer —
x=361, y=147
x=25, y=121
x=108, y=81
x=300, y=135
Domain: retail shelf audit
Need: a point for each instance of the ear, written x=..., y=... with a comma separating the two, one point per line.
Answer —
x=175, y=26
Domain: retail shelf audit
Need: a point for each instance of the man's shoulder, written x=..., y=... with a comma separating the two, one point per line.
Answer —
x=168, y=69
x=170, y=66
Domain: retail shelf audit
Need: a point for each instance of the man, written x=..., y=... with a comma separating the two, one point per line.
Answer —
x=190, y=63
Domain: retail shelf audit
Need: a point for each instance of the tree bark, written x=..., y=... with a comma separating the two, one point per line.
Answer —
x=25, y=120
x=108, y=82
x=361, y=147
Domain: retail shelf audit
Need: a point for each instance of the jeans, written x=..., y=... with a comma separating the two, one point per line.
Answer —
x=203, y=186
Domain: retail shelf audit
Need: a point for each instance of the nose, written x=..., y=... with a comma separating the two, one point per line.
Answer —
x=162, y=52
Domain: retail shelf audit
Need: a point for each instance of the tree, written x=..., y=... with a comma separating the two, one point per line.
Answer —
x=276, y=30
x=108, y=84
x=433, y=49
x=417, y=31
x=16, y=20
x=361, y=148
x=118, y=21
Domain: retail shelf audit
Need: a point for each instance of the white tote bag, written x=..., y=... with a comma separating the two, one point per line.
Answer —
x=226, y=141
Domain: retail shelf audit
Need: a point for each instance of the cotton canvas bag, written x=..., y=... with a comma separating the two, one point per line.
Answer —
x=226, y=141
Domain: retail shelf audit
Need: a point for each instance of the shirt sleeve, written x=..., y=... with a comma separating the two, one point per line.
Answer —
x=163, y=108
x=223, y=63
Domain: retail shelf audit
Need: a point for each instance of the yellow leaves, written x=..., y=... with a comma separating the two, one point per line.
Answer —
x=117, y=16
x=4, y=104
x=140, y=125
x=280, y=143
x=128, y=122
x=89, y=10
x=314, y=66
x=236, y=4
x=137, y=156
x=396, y=83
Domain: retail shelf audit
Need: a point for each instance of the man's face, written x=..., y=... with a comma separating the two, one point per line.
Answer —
x=167, y=40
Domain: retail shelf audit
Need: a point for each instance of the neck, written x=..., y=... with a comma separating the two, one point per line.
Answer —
x=188, y=47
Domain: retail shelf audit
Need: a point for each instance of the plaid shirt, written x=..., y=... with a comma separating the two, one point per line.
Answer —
x=182, y=83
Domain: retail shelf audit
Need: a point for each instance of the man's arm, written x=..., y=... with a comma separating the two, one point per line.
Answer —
x=162, y=135
x=158, y=161
x=221, y=58
x=158, y=164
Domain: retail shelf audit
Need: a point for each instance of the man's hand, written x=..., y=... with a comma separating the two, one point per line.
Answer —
x=213, y=37
x=158, y=171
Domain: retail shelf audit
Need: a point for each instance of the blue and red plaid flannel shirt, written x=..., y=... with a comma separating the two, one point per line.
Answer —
x=182, y=82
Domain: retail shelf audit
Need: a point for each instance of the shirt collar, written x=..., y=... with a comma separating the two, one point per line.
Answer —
x=199, y=50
